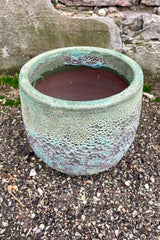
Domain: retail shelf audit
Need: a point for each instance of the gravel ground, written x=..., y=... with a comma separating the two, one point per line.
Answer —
x=119, y=204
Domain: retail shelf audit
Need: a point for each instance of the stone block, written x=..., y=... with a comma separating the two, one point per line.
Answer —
x=141, y=41
x=151, y=2
x=28, y=28
x=99, y=2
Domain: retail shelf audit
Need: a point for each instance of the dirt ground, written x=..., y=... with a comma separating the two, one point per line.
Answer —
x=38, y=202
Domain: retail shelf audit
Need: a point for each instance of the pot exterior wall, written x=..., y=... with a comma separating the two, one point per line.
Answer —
x=81, y=142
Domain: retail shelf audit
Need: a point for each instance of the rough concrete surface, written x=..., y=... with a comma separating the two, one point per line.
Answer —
x=28, y=28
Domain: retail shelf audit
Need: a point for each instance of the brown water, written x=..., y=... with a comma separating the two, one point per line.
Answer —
x=81, y=84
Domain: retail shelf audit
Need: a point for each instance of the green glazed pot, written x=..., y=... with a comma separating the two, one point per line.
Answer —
x=81, y=137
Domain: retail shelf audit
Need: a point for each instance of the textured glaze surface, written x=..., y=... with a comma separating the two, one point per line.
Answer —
x=81, y=137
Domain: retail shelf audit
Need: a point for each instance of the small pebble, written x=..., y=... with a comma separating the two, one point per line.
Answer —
x=149, y=96
x=5, y=224
x=40, y=191
x=56, y=209
x=127, y=183
x=146, y=186
x=98, y=194
x=90, y=182
x=41, y=226
x=116, y=232
x=36, y=229
x=2, y=231
x=79, y=227
x=88, y=224
x=100, y=235
x=119, y=208
x=83, y=217
x=96, y=199
x=32, y=173
x=1, y=166
x=131, y=235
x=4, y=180
x=102, y=12
x=33, y=215
x=135, y=213
x=77, y=234
x=58, y=6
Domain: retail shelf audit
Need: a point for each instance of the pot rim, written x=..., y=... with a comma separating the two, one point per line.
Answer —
x=130, y=91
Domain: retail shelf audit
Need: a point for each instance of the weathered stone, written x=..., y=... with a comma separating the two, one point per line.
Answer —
x=28, y=28
x=155, y=10
x=112, y=9
x=99, y=2
x=142, y=42
x=137, y=24
x=151, y=2
x=152, y=32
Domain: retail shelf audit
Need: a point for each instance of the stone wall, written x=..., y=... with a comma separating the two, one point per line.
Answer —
x=100, y=2
x=30, y=27
x=123, y=3
x=139, y=25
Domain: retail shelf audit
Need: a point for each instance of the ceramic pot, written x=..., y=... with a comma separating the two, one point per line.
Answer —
x=81, y=137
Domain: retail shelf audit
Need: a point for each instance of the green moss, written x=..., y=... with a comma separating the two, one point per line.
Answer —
x=147, y=87
x=18, y=101
x=157, y=99
x=7, y=80
x=10, y=81
x=10, y=102
x=88, y=14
